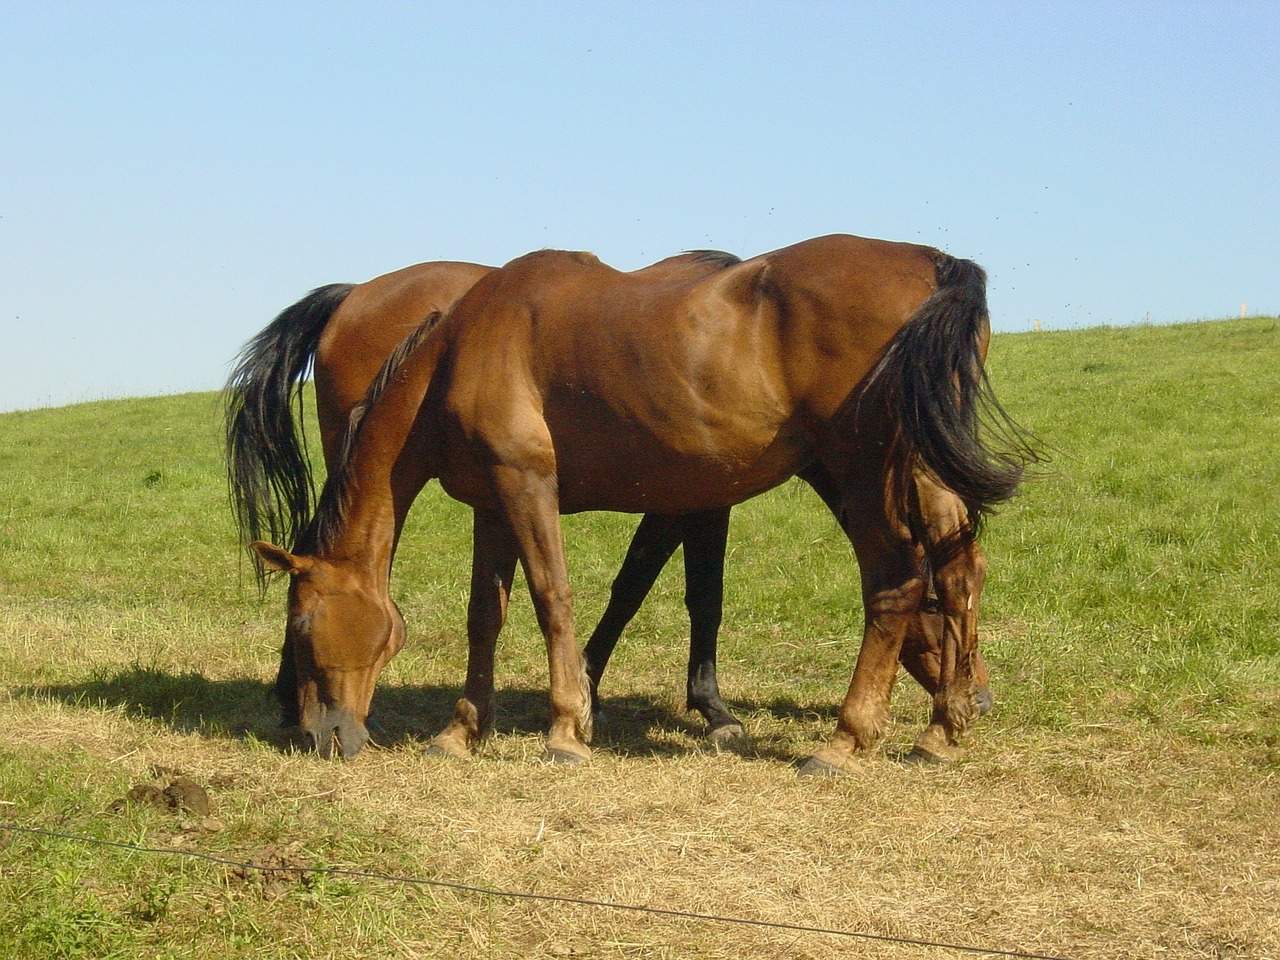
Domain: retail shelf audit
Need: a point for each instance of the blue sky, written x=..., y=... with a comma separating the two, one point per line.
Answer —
x=173, y=174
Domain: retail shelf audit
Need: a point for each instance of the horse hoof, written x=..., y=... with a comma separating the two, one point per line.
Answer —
x=444, y=751
x=934, y=754
x=925, y=758
x=564, y=758
x=731, y=734
x=813, y=767
x=934, y=746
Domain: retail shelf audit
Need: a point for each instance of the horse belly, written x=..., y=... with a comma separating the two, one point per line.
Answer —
x=606, y=462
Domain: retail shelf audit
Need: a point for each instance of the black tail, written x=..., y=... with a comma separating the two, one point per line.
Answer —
x=268, y=469
x=933, y=379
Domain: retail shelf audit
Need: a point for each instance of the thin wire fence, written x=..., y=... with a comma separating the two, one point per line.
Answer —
x=521, y=895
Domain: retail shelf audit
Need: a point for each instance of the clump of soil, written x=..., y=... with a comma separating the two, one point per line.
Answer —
x=181, y=794
x=273, y=871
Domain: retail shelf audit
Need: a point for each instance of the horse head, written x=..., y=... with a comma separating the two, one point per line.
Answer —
x=342, y=630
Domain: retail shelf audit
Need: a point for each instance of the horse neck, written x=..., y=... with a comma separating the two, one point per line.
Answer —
x=391, y=460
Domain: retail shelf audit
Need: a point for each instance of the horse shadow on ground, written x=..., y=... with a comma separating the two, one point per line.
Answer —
x=245, y=708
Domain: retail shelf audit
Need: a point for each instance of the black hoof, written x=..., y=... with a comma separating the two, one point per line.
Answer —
x=730, y=734
x=562, y=758
x=813, y=767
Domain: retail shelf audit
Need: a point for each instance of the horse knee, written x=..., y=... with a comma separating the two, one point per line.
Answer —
x=903, y=599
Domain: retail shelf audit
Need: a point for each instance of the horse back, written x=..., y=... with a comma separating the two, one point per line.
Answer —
x=376, y=316
x=833, y=304
x=640, y=389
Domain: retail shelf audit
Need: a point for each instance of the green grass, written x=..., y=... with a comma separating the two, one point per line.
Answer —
x=1130, y=620
x=1146, y=553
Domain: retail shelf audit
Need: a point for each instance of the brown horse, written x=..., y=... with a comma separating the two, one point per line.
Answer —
x=346, y=332
x=558, y=384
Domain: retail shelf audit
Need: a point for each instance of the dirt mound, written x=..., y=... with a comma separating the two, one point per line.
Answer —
x=272, y=872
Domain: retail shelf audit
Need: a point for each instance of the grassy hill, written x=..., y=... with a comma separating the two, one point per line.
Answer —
x=1118, y=803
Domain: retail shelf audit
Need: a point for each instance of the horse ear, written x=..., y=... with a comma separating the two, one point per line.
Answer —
x=277, y=558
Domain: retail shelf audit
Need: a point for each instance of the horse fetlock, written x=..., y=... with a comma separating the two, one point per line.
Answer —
x=863, y=728
x=471, y=723
x=721, y=723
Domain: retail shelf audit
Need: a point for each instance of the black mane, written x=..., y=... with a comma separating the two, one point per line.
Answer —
x=715, y=256
x=331, y=512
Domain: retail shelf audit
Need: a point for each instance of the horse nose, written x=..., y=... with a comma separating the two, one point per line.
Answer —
x=337, y=727
x=352, y=735
x=984, y=698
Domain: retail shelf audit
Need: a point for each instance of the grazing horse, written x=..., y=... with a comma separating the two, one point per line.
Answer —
x=345, y=332
x=557, y=384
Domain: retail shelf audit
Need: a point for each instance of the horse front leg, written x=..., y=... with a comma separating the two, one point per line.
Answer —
x=493, y=566
x=529, y=499
x=892, y=595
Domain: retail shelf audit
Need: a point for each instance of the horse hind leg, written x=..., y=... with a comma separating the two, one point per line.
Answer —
x=652, y=545
x=705, y=538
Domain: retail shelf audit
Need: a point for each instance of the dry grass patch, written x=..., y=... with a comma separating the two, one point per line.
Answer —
x=1107, y=844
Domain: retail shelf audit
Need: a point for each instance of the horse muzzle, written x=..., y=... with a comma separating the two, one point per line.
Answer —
x=982, y=693
x=334, y=728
